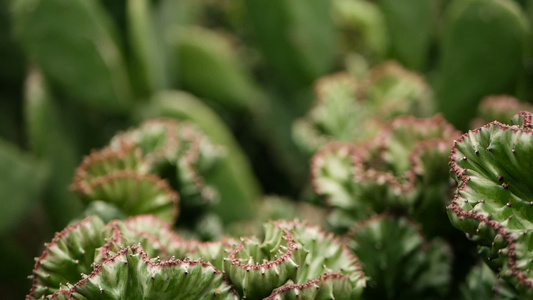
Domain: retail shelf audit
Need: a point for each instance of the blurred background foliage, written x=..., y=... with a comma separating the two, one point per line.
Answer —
x=75, y=72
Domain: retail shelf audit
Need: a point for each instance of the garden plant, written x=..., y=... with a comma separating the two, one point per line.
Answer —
x=245, y=149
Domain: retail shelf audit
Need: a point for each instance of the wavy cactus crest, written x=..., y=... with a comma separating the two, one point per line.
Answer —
x=142, y=257
x=393, y=90
x=494, y=199
x=344, y=105
x=404, y=168
x=292, y=258
x=127, y=173
x=102, y=252
x=399, y=262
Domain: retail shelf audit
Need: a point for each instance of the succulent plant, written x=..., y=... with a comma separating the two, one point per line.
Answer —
x=142, y=257
x=127, y=173
x=345, y=104
x=123, y=259
x=501, y=108
x=493, y=203
x=403, y=169
x=398, y=261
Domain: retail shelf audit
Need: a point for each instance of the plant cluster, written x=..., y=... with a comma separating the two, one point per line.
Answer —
x=175, y=145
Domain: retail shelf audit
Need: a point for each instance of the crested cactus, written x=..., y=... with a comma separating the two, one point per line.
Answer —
x=127, y=174
x=493, y=202
x=123, y=259
x=141, y=257
x=403, y=169
x=344, y=105
x=399, y=262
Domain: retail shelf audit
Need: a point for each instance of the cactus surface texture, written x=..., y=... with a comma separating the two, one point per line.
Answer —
x=493, y=203
x=142, y=258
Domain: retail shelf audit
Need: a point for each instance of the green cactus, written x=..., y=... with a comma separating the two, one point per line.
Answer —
x=345, y=104
x=142, y=257
x=403, y=169
x=128, y=172
x=493, y=202
x=501, y=108
x=132, y=249
x=400, y=264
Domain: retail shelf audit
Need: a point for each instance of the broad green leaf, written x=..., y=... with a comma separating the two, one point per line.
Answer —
x=21, y=182
x=74, y=43
x=209, y=67
x=51, y=142
x=481, y=54
x=148, y=57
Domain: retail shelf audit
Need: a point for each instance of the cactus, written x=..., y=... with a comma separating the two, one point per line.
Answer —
x=493, y=200
x=344, y=105
x=122, y=259
x=400, y=264
x=501, y=108
x=142, y=256
x=403, y=169
x=127, y=173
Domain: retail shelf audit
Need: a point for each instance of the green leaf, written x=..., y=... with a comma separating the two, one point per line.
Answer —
x=21, y=182
x=148, y=57
x=296, y=38
x=209, y=67
x=410, y=25
x=482, y=48
x=51, y=142
x=74, y=43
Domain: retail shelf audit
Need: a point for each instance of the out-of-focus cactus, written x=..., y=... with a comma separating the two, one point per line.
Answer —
x=362, y=28
x=403, y=169
x=141, y=257
x=499, y=108
x=493, y=203
x=344, y=105
x=233, y=176
x=481, y=39
x=400, y=264
x=128, y=172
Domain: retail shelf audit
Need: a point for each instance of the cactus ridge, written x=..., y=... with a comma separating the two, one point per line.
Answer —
x=81, y=247
x=493, y=203
x=343, y=105
x=385, y=172
x=127, y=172
x=399, y=261
x=327, y=286
x=167, y=279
